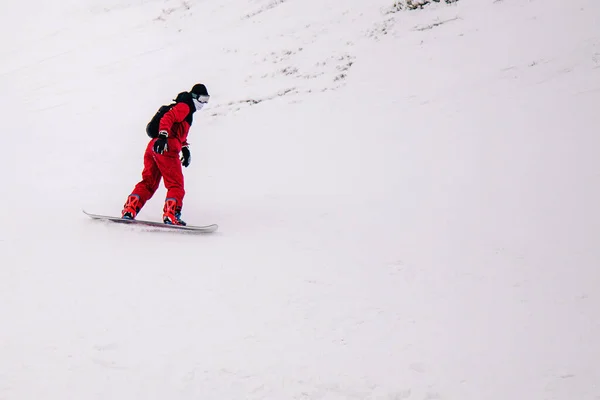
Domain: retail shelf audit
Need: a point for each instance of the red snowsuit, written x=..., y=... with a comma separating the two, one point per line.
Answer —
x=168, y=164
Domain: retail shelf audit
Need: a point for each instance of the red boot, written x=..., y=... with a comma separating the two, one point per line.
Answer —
x=131, y=207
x=172, y=213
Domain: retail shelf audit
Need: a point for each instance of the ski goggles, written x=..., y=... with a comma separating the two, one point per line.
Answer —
x=202, y=98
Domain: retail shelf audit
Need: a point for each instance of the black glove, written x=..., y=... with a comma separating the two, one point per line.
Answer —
x=160, y=146
x=186, y=157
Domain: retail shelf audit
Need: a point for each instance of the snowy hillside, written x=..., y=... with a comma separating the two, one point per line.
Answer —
x=407, y=201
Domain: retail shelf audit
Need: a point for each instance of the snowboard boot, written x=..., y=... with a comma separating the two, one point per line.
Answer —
x=131, y=207
x=172, y=213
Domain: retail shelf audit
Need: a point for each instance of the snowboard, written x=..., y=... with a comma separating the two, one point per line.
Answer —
x=154, y=224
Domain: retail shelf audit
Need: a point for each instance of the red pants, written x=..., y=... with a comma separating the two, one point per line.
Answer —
x=166, y=166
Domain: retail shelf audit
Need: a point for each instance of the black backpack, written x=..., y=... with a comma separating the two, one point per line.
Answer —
x=152, y=127
x=183, y=97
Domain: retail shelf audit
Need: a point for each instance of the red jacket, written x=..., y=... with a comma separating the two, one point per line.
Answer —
x=174, y=122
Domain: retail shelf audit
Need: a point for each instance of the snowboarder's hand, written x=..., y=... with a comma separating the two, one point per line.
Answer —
x=160, y=146
x=186, y=156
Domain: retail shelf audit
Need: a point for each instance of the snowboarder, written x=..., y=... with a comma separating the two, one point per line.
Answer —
x=161, y=158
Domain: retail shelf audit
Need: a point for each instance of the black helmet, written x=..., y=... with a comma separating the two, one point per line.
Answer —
x=199, y=90
x=200, y=93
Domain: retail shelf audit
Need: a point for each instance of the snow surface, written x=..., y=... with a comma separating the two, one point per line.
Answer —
x=408, y=202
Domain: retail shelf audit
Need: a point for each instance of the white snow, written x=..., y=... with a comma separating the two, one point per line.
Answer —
x=410, y=211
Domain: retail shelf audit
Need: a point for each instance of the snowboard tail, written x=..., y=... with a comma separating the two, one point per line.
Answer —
x=184, y=228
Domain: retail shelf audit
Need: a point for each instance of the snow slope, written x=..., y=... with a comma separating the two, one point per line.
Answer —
x=407, y=201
